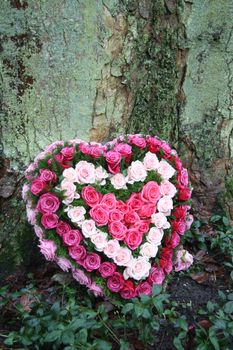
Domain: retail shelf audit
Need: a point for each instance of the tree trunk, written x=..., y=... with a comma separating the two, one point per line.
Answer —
x=95, y=69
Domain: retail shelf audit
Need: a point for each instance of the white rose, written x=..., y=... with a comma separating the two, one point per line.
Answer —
x=85, y=172
x=165, y=205
x=160, y=220
x=99, y=240
x=70, y=174
x=150, y=161
x=167, y=188
x=88, y=228
x=137, y=172
x=119, y=181
x=155, y=235
x=139, y=268
x=111, y=249
x=100, y=175
x=123, y=257
x=148, y=250
x=165, y=170
x=76, y=214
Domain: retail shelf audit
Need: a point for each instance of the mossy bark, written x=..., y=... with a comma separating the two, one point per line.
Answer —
x=94, y=69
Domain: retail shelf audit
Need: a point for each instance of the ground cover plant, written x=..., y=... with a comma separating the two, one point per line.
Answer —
x=194, y=310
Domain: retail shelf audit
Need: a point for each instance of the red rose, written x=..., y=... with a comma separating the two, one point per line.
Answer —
x=150, y=192
x=117, y=229
x=179, y=226
x=48, y=203
x=180, y=211
x=116, y=282
x=124, y=149
x=49, y=220
x=95, y=152
x=90, y=196
x=184, y=193
x=92, y=262
x=128, y=291
x=133, y=238
x=174, y=240
x=37, y=186
x=131, y=217
x=100, y=214
x=107, y=269
x=62, y=228
x=165, y=261
x=144, y=288
x=68, y=153
x=153, y=144
x=85, y=149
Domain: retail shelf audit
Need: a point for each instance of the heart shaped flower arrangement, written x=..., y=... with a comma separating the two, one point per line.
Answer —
x=113, y=214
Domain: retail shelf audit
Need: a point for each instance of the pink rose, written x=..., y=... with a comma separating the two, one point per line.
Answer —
x=100, y=214
x=137, y=172
x=48, y=249
x=31, y=215
x=150, y=161
x=167, y=188
x=115, y=215
x=47, y=175
x=68, y=153
x=156, y=275
x=165, y=170
x=88, y=228
x=38, y=186
x=25, y=190
x=146, y=210
x=90, y=196
x=133, y=238
x=81, y=277
x=166, y=148
x=116, y=282
x=96, y=290
x=48, y=203
x=117, y=229
x=183, y=260
x=84, y=148
x=150, y=192
x=128, y=291
x=92, y=262
x=118, y=181
x=123, y=257
x=50, y=148
x=144, y=288
x=143, y=226
x=134, y=201
x=49, y=220
x=124, y=149
x=62, y=228
x=95, y=152
x=138, y=141
x=113, y=158
x=131, y=217
x=109, y=200
x=111, y=248
x=120, y=205
x=77, y=252
x=165, y=205
x=63, y=263
x=182, y=177
x=71, y=238
x=38, y=231
x=85, y=172
x=107, y=269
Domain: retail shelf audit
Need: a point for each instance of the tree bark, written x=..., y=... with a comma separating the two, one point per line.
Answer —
x=96, y=69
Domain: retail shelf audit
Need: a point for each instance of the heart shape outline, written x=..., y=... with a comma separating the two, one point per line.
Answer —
x=58, y=158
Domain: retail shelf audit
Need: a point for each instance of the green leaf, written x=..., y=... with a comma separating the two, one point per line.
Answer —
x=225, y=221
x=51, y=337
x=124, y=345
x=230, y=296
x=182, y=324
x=68, y=337
x=232, y=275
x=156, y=289
x=228, y=307
x=177, y=343
x=214, y=340
x=102, y=345
x=81, y=336
x=128, y=307
x=215, y=218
